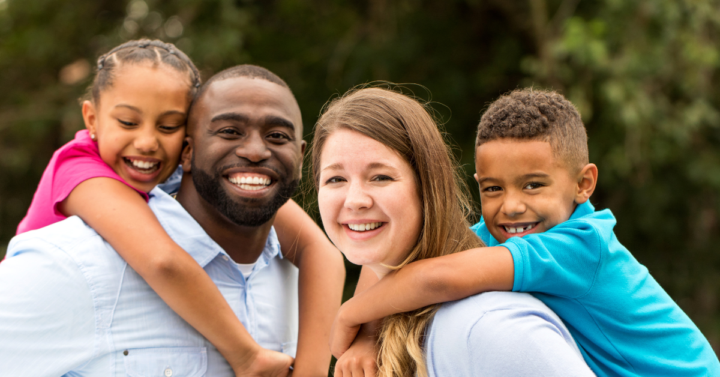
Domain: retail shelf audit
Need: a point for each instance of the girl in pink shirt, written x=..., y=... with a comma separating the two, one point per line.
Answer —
x=135, y=123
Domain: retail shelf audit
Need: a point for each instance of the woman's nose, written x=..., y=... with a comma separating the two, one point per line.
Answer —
x=357, y=198
x=254, y=148
x=146, y=142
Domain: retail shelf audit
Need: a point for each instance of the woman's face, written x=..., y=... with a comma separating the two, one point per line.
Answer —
x=368, y=200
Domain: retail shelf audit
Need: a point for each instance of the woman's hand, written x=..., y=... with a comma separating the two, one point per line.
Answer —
x=360, y=360
x=341, y=334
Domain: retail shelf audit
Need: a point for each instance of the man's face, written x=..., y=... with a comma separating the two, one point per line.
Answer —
x=245, y=149
x=524, y=188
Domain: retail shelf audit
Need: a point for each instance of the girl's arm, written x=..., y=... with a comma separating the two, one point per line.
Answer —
x=422, y=283
x=322, y=274
x=125, y=221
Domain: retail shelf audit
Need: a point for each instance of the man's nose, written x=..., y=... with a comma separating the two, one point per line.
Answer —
x=513, y=205
x=357, y=197
x=253, y=148
x=146, y=141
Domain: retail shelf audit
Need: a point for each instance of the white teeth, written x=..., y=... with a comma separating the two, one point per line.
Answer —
x=363, y=227
x=513, y=230
x=243, y=182
x=144, y=164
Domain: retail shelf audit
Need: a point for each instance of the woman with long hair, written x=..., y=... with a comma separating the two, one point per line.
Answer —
x=389, y=194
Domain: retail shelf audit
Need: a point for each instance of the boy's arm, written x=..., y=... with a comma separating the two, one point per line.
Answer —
x=322, y=274
x=125, y=221
x=422, y=283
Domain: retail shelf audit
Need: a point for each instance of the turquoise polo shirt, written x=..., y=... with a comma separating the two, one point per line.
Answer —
x=623, y=321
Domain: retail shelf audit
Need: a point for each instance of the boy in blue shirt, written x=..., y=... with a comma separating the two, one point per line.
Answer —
x=546, y=238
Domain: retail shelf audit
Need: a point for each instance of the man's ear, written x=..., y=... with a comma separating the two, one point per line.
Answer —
x=89, y=113
x=187, y=155
x=587, y=179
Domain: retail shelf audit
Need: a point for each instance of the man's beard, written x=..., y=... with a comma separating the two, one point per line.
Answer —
x=210, y=188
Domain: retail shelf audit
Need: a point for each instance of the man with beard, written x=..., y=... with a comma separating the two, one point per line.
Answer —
x=69, y=305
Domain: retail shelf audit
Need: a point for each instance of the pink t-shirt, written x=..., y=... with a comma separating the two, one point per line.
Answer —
x=69, y=166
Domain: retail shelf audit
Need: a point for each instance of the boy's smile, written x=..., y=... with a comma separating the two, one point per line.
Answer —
x=525, y=188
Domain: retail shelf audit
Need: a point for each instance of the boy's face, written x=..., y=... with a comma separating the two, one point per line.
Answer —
x=524, y=188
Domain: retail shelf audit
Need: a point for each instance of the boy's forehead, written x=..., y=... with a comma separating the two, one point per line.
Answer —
x=516, y=156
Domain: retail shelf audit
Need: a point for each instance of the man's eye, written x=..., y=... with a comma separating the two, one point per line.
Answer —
x=278, y=136
x=229, y=131
x=533, y=185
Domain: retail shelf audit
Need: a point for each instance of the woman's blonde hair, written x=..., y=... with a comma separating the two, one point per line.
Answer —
x=404, y=125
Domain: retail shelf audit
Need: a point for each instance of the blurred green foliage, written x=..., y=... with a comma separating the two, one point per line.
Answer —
x=644, y=75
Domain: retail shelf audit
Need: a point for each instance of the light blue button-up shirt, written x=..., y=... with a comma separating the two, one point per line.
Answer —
x=69, y=305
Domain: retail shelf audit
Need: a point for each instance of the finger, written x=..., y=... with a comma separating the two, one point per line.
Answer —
x=338, y=370
x=357, y=369
x=370, y=368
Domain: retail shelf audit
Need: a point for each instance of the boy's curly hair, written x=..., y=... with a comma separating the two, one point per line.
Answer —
x=533, y=114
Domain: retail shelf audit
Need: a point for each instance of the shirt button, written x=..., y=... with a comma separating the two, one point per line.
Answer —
x=168, y=372
x=225, y=258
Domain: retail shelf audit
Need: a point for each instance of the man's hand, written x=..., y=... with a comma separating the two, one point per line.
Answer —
x=341, y=335
x=264, y=363
x=360, y=360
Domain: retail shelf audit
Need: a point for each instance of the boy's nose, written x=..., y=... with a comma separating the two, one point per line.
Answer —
x=253, y=149
x=513, y=206
x=357, y=198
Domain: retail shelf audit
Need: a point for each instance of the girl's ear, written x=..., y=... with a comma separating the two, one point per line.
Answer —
x=587, y=179
x=90, y=117
x=186, y=155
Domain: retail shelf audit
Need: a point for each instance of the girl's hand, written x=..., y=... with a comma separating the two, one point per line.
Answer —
x=341, y=335
x=360, y=360
x=265, y=363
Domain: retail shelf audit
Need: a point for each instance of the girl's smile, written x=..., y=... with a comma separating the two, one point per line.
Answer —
x=139, y=123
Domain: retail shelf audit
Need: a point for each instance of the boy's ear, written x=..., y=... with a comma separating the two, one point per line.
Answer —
x=186, y=155
x=476, y=179
x=587, y=179
x=89, y=114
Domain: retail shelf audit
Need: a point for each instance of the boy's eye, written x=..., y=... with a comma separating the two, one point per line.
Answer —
x=492, y=189
x=533, y=185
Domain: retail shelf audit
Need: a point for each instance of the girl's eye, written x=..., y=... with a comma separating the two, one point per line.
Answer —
x=169, y=129
x=492, y=189
x=533, y=185
x=126, y=123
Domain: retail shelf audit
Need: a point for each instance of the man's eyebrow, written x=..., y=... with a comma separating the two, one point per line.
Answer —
x=237, y=117
x=279, y=121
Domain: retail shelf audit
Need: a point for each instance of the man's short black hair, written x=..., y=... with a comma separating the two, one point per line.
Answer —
x=243, y=70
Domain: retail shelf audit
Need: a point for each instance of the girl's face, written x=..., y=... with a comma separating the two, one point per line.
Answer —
x=368, y=200
x=139, y=123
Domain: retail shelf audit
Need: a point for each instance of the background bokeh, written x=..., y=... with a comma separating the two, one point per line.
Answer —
x=643, y=73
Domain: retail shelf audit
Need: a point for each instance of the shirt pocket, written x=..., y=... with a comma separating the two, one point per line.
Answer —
x=166, y=362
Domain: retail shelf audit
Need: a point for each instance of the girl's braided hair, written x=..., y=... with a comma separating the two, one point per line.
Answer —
x=137, y=51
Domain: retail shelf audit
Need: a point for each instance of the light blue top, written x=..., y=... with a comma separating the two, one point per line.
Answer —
x=501, y=334
x=69, y=305
x=623, y=321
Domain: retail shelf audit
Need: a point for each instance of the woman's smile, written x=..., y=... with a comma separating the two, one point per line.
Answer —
x=369, y=200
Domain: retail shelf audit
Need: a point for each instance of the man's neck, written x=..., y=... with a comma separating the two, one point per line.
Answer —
x=244, y=244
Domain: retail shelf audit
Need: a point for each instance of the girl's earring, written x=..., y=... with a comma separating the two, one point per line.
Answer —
x=92, y=136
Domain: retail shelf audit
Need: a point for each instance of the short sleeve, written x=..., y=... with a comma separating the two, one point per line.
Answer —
x=513, y=343
x=47, y=321
x=563, y=261
x=75, y=165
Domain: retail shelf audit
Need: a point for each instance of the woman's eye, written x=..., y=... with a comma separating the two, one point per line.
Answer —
x=382, y=178
x=334, y=180
x=533, y=185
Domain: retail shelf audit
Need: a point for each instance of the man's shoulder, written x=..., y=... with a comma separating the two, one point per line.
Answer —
x=63, y=235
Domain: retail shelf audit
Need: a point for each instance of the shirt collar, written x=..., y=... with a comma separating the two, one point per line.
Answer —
x=184, y=230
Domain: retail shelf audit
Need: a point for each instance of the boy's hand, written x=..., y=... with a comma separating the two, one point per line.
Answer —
x=265, y=363
x=360, y=360
x=341, y=335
